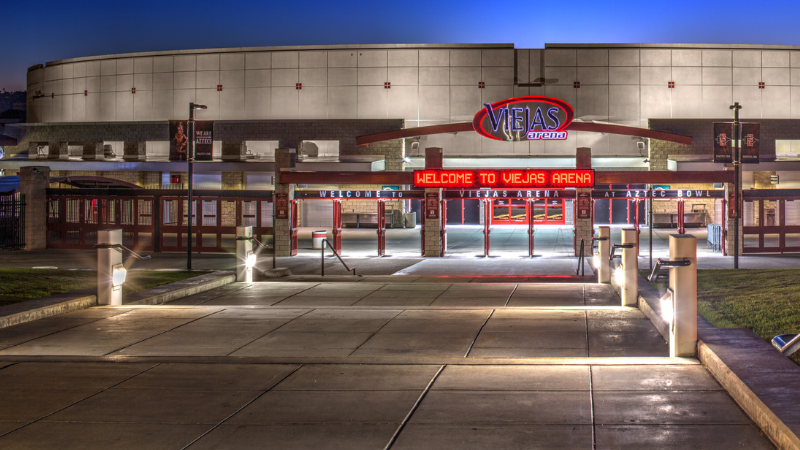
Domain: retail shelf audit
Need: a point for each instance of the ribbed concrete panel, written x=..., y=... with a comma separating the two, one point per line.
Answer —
x=403, y=102
x=313, y=103
x=776, y=101
x=313, y=77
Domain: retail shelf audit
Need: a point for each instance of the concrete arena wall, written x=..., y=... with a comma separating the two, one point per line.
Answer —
x=430, y=84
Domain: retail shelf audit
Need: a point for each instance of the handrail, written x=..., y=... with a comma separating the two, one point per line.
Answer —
x=252, y=239
x=121, y=248
x=614, y=250
x=666, y=263
x=580, y=267
x=322, y=260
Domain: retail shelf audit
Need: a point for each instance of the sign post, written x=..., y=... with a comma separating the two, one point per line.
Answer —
x=737, y=171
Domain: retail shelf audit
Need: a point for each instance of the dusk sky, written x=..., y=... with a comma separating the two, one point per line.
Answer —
x=37, y=32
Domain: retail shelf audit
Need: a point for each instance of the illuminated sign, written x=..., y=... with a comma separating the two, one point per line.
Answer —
x=350, y=194
x=521, y=118
x=657, y=193
x=507, y=178
x=508, y=193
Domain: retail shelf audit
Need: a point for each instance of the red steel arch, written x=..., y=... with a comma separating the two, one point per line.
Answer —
x=574, y=126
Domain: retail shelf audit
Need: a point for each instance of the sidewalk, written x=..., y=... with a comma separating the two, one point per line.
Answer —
x=365, y=365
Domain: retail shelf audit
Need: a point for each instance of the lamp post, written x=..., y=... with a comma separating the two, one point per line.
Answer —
x=737, y=169
x=190, y=161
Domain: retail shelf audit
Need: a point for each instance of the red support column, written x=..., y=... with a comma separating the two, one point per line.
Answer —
x=680, y=217
x=530, y=226
x=444, y=226
x=487, y=218
x=293, y=230
x=636, y=223
x=381, y=227
x=337, y=226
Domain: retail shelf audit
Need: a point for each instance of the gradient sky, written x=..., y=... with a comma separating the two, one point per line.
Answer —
x=40, y=31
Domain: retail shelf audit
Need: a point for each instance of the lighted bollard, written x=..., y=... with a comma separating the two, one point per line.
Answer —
x=110, y=271
x=245, y=258
x=604, y=252
x=683, y=293
x=630, y=268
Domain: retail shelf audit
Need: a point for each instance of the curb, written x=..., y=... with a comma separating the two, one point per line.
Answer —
x=776, y=430
x=749, y=349
x=44, y=307
x=68, y=302
x=179, y=289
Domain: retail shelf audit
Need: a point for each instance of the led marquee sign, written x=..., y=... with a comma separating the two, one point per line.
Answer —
x=521, y=118
x=506, y=178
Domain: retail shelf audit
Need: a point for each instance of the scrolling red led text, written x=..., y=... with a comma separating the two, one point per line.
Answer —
x=509, y=178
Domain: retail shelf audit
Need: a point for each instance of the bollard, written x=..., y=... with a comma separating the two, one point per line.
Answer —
x=245, y=258
x=110, y=271
x=683, y=286
x=604, y=251
x=630, y=268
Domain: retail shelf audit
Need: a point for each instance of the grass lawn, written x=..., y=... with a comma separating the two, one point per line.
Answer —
x=17, y=285
x=766, y=301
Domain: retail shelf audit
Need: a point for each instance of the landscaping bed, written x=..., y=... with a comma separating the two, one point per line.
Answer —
x=17, y=285
x=766, y=301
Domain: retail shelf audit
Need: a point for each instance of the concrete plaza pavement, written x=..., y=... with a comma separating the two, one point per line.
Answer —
x=372, y=364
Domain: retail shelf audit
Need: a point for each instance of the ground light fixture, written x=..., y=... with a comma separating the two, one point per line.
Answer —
x=190, y=161
x=250, y=260
x=787, y=343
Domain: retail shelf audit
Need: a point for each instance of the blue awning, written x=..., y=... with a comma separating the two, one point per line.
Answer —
x=9, y=184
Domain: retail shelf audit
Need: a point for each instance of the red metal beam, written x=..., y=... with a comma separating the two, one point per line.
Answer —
x=574, y=126
x=384, y=178
x=629, y=131
x=610, y=177
x=662, y=177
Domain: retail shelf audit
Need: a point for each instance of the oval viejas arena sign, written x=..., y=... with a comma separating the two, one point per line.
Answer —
x=521, y=118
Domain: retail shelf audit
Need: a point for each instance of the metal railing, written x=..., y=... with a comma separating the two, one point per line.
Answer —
x=252, y=239
x=580, y=269
x=614, y=250
x=12, y=221
x=122, y=249
x=322, y=259
x=654, y=275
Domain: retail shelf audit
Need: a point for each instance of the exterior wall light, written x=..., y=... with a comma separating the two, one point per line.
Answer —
x=250, y=261
x=667, y=306
x=118, y=275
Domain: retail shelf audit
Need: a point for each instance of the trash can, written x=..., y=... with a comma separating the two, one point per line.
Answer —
x=316, y=239
x=411, y=220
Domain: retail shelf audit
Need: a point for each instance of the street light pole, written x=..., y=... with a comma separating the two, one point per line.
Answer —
x=737, y=169
x=190, y=160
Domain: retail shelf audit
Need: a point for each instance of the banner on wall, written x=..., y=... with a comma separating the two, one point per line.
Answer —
x=179, y=140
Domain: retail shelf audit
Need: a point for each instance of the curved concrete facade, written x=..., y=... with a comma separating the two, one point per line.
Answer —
x=427, y=85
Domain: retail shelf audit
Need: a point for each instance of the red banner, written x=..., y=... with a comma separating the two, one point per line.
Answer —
x=723, y=142
x=751, y=134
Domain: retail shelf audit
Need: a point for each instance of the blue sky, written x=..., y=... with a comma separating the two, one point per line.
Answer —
x=46, y=30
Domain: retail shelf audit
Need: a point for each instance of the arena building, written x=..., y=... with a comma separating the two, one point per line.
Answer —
x=372, y=109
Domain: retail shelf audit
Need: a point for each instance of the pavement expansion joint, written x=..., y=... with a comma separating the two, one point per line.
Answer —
x=368, y=360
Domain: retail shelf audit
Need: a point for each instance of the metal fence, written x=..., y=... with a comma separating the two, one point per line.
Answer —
x=12, y=221
x=156, y=219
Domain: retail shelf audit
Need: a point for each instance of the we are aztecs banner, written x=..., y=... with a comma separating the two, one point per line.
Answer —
x=179, y=140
